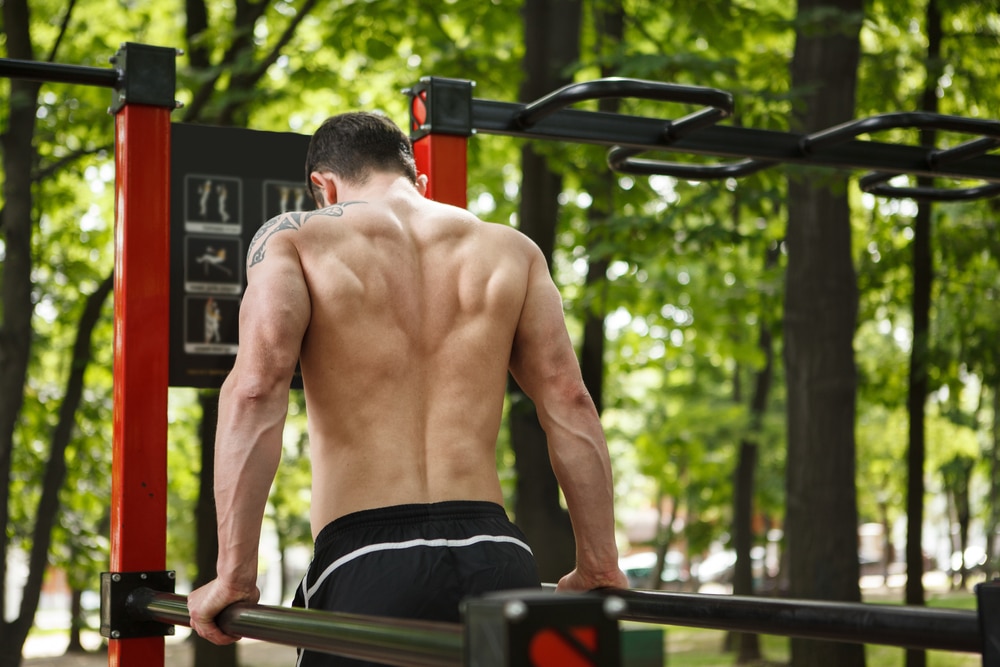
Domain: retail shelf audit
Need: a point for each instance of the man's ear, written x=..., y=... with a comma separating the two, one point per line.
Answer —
x=327, y=187
x=422, y=185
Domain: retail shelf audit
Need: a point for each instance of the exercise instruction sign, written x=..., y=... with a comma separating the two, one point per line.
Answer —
x=225, y=183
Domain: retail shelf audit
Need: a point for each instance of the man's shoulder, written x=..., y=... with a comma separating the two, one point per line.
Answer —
x=511, y=237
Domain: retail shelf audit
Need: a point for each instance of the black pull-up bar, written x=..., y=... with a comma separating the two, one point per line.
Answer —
x=446, y=107
x=151, y=83
x=34, y=70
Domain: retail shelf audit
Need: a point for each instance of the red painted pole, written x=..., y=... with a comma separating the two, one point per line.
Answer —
x=141, y=326
x=442, y=157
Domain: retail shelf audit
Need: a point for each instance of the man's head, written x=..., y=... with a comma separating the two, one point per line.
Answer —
x=354, y=145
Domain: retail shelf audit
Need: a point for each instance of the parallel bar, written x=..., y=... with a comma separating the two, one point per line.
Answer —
x=58, y=73
x=859, y=623
x=422, y=644
x=607, y=129
x=399, y=642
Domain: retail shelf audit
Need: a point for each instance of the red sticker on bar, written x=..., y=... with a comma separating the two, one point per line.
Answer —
x=555, y=648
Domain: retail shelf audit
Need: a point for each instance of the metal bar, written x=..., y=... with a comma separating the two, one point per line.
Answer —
x=964, y=151
x=404, y=642
x=595, y=127
x=58, y=73
x=860, y=623
x=621, y=160
x=391, y=641
x=889, y=121
x=877, y=184
x=531, y=114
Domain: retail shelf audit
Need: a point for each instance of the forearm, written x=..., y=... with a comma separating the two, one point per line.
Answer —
x=580, y=461
x=248, y=450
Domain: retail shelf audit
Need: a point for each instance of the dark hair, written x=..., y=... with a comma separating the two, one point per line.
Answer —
x=353, y=145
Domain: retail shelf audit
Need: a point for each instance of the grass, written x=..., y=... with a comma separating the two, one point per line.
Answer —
x=693, y=647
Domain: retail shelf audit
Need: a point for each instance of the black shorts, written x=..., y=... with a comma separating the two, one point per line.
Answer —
x=413, y=561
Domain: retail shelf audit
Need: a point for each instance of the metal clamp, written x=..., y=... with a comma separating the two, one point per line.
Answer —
x=118, y=620
x=440, y=105
x=529, y=627
x=988, y=605
x=146, y=75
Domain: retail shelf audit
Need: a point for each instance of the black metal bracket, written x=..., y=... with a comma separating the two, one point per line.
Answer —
x=118, y=621
x=988, y=606
x=442, y=106
x=146, y=75
x=531, y=627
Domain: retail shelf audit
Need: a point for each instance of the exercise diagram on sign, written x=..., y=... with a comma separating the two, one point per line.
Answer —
x=211, y=324
x=213, y=204
x=214, y=259
x=213, y=264
x=284, y=196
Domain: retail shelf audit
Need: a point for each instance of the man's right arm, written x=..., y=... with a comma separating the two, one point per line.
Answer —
x=274, y=315
x=545, y=366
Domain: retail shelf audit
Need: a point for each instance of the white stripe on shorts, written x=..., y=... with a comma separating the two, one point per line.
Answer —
x=389, y=546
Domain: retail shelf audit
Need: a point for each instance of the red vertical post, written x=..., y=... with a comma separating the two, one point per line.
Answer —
x=442, y=157
x=440, y=124
x=141, y=345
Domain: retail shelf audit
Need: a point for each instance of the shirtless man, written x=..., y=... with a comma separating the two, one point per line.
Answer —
x=405, y=316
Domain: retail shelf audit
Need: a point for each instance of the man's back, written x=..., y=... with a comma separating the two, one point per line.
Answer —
x=405, y=316
x=414, y=311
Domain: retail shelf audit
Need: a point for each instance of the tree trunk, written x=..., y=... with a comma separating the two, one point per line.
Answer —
x=207, y=654
x=76, y=622
x=923, y=278
x=15, y=290
x=747, y=645
x=610, y=19
x=955, y=475
x=16, y=632
x=551, y=44
x=664, y=537
x=821, y=302
x=283, y=570
x=993, y=524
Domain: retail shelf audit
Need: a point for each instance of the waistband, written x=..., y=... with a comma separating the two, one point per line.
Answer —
x=448, y=510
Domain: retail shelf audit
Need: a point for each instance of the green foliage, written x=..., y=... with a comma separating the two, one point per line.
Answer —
x=183, y=470
x=687, y=287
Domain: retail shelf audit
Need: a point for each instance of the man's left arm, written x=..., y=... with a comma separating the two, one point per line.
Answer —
x=253, y=404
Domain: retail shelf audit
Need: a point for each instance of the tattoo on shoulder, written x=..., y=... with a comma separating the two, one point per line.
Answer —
x=292, y=220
